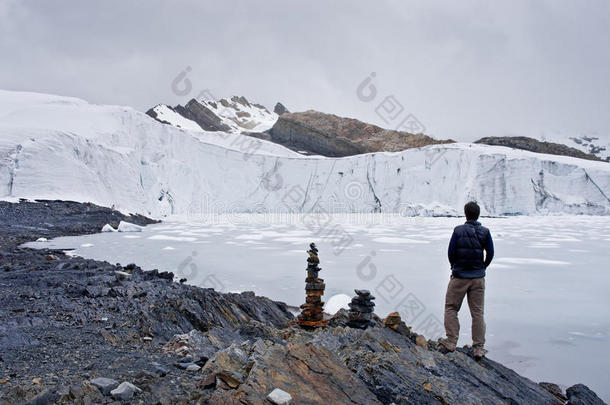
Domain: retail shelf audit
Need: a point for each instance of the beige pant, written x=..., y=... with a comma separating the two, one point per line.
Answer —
x=475, y=289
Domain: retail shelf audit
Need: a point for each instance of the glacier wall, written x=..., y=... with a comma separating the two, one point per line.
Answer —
x=62, y=148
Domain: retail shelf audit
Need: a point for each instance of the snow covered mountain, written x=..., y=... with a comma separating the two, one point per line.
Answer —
x=234, y=115
x=55, y=147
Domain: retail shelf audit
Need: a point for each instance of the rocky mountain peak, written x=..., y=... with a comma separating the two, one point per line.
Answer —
x=235, y=114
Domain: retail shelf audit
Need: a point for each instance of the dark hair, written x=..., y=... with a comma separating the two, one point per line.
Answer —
x=472, y=211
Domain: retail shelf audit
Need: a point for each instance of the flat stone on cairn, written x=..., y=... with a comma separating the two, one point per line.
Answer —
x=311, y=314
x=361, y=310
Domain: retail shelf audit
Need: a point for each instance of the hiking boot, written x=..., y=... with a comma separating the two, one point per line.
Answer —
x=478, y=353
x=446, y=345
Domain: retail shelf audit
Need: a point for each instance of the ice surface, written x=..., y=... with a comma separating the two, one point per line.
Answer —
x=547, y=309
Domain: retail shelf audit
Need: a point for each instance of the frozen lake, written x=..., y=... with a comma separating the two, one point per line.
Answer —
x=547, y=299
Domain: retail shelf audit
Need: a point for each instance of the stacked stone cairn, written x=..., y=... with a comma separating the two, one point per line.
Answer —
x=361, y=310
x=311, y=314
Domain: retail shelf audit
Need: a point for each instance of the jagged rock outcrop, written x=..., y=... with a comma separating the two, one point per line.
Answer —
x=280, y=109
x=330, y=135
x=534, y=145
x=580, y=394
x=202, y=115
x=341, y=365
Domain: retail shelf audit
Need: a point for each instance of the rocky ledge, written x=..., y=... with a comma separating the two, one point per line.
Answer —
x=87, y=332
x=534, y=145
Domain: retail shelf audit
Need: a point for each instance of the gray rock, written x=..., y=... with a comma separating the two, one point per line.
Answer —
x=279, y=397
x=125, y=391
x=580, y=394
x=159, y=369
x=105, y=385
x=46, y=398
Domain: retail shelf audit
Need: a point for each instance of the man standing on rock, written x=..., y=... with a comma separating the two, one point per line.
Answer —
x=468, y=278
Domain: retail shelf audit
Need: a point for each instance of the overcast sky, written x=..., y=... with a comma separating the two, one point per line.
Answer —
x=464, y=68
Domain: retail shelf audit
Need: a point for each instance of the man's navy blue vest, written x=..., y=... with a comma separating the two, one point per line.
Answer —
x=466, y=248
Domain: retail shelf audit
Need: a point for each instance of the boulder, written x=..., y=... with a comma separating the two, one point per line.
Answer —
x=46, y=398
x=580, y=394
x=125, y=391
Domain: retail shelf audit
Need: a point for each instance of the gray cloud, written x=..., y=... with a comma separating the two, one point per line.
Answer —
x=465, y=69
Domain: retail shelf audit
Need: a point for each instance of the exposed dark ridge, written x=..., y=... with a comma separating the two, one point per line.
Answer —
x=203, y=116
x=534, y=145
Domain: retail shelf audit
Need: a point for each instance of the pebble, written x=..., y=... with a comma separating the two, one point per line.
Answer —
x=420, y=340
x=188, y=366
x=181, y=351
x=159, y=369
